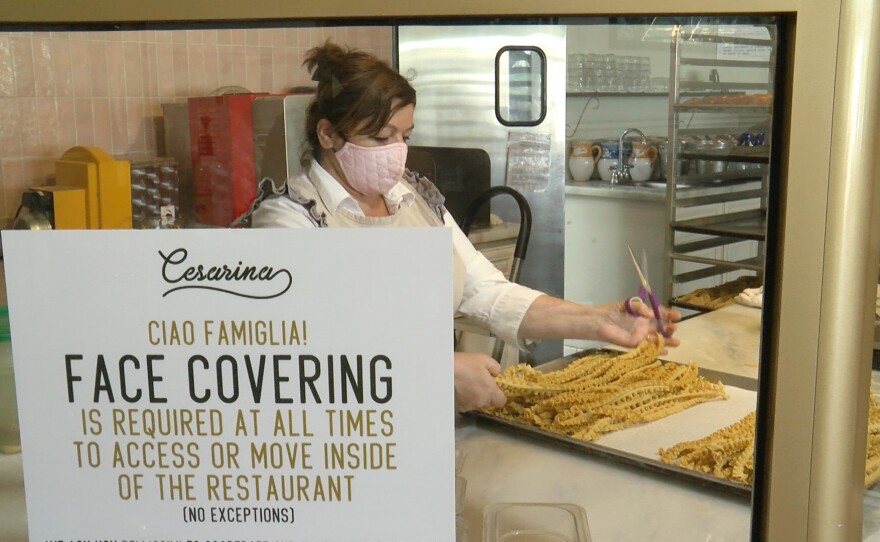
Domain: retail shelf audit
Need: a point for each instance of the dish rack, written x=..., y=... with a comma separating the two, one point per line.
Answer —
x=717, y=178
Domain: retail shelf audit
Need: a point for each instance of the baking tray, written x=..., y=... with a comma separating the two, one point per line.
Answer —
x=613, y=454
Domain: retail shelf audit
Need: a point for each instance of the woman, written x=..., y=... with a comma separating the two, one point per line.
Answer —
x=356, y=131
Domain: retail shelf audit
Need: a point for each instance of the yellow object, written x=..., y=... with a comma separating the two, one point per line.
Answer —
x=107, y=185
x=69, y=207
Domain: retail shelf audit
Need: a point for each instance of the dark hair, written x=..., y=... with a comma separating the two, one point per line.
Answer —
x=355, y=90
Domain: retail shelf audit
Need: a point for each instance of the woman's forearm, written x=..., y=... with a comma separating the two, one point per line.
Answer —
x=553, y=318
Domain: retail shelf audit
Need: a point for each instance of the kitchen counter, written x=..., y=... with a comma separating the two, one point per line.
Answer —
x=724, y=341
x=604, y=189
x=622, y=503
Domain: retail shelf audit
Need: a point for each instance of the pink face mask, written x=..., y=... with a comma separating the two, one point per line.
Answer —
x=372, y=171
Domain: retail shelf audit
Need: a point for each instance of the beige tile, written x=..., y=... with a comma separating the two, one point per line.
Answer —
x=267, y=75
x=252, y=37
x=10, y=128
x=264, y=37
x=119, y=127
x=252, y=67
x=85, y=121
x=44, y=73
x=134, y=70
x=225, y=67
x=66, y=124
x=180, y=57
x=23, y=65
x=14, y=183
x=135, y=119
x=239, y=67
x=164, y=70
x=210, y=64
x=178, y=36
x=29, y=128
x=61, y=67
x=102, y=124
x=47, y=123
x=195, y=36
x=284, y=68
x=237, y=36
x=164, y=36
x=151, y=83
x=7, y=68
x=302, y=37
x=115, y=76
x=278, y=37
x=197, y=81
x=223, y=36
x=95, y=36
x=97, y=67
x=80, y=77
x=290, y=37
x=209, y=36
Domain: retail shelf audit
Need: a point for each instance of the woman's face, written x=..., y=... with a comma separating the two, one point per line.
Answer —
x=398, y=130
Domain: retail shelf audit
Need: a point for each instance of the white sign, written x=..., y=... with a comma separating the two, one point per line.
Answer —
x=246, y=385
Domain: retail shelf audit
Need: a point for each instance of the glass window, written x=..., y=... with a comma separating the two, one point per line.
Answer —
x=520, y=86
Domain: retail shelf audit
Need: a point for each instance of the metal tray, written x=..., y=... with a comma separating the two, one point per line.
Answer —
x=612, y=454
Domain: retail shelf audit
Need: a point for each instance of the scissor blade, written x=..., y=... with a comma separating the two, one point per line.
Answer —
x=642, y=278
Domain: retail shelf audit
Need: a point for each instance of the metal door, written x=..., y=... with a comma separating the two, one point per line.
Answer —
x=455, y=71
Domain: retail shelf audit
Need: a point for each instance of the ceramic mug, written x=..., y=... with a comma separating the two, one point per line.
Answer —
x=582, y=160
x=642, y=160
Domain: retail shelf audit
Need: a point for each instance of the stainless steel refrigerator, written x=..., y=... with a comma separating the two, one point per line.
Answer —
x=500, y=88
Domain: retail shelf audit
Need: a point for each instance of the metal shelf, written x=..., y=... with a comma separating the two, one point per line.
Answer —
x=717, y=220
x=723, y=63
x=597, y=94
x=743, y=225
x=724, y=108
x=718, y=267
x=736, y=154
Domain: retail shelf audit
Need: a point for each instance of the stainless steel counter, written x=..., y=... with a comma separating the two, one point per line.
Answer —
x=603, y=189
x=622, y=503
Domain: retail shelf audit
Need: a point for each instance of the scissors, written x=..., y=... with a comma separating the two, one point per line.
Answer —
x=646, y=295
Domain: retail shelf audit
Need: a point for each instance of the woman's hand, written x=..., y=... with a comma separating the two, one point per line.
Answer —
x=475, y=383
x=623, y=329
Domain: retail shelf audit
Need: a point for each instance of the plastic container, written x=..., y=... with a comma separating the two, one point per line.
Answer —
x=535, y=522
x=10, y=439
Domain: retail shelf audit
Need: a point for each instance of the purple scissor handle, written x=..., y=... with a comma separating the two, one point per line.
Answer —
x=646, y=296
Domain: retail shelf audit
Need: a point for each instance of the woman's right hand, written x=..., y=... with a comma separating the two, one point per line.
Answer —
x=475, y=385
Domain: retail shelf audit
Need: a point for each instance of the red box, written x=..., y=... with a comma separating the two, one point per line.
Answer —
x=222, y=151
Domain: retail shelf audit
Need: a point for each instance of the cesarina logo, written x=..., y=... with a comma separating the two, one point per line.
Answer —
x=252, y=281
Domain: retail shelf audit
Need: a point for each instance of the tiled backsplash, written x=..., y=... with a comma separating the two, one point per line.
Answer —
x=106, y=89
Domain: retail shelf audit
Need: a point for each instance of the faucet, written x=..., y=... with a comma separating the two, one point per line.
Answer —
x=621, y=172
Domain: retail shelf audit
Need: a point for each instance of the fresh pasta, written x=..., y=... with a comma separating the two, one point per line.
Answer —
x=729, y=452
x=602, y=392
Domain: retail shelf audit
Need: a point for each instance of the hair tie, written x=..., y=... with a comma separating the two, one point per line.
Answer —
x=321, y=74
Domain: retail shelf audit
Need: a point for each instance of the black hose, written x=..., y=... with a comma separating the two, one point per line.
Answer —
x=525, y=216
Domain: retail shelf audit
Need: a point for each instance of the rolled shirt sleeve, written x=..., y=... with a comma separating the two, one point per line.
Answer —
x=489, y=299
